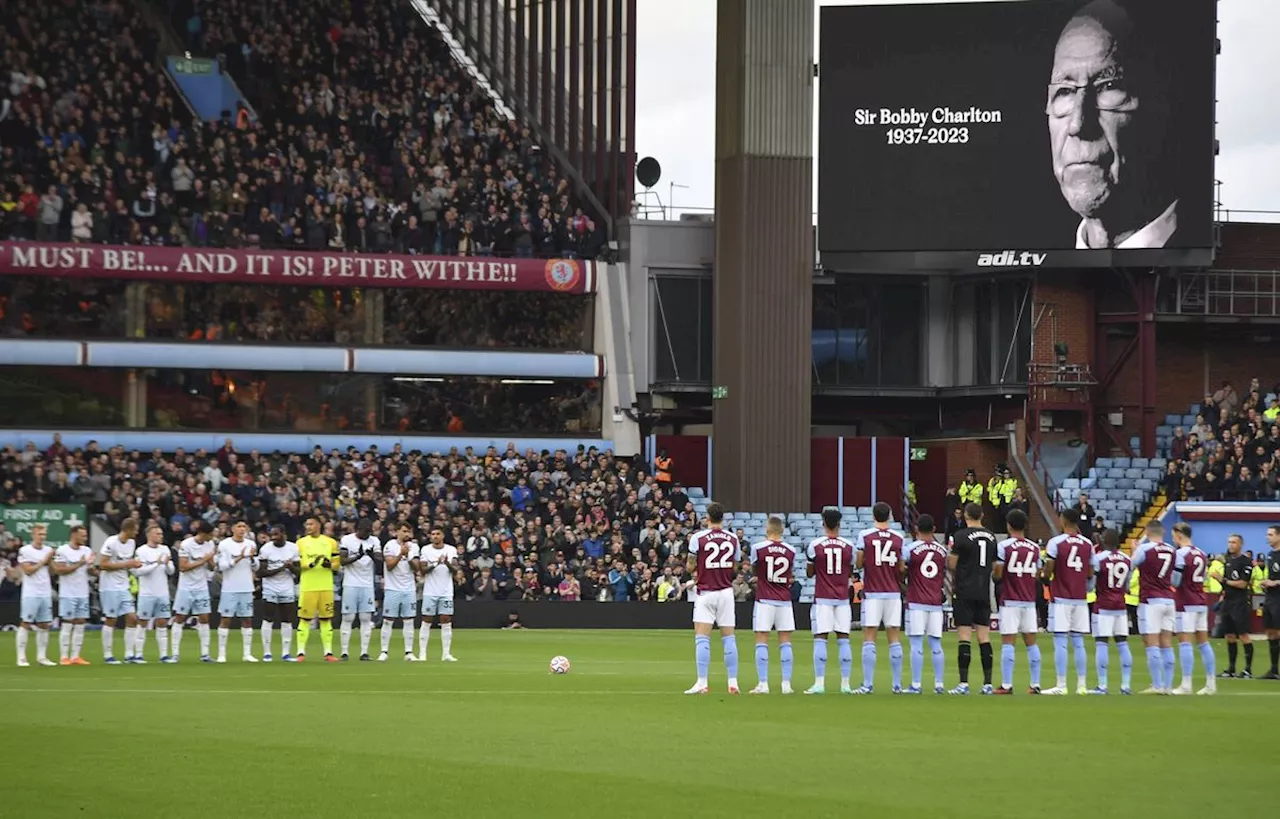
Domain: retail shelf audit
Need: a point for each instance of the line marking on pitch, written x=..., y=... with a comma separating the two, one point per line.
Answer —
x=457, y=692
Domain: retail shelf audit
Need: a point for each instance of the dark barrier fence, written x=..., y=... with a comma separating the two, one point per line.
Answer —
x=495, y=614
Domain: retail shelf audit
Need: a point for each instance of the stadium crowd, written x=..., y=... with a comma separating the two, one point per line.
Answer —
x=369, y=137
x=1232, y=452
x=563, y=525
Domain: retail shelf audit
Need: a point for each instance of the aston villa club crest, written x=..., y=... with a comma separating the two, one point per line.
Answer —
x=563, y=274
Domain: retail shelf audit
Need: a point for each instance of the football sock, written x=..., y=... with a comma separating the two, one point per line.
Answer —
x=1060, y=658
x=1210, y=661
x=845, y=653
x=162, y=641
x=917, y=659
x=868, y=664
x=1102, y=661
x=424, y=639
x=939, y=659
x=77, y=639
x=446, y=642
x=64, y=642
x=1248, y=657
x=131, y=641
x=304, y=631
x=1187, y=658
x=1033, y=664
x=1274, y=645
x=268, y=628
x=286, y=637
x=108, y=637
x=42, y=643
x=246, y=639
x=1082, y=662
x=1006, y=665
x=702, y=655
x=175, y=636
x=366, y=633
x=787, y=659
x=326, y=635
x=1232, y=650
x=224, y=632
x=202, y=630
x=1155, y=664
x=23, y=635
x=985, y=652
x=347, y=621
x=762, y=663
x=820, y=659
x=1126, y=663
x=895, y=663
x=1170, y=661
x=963, y=652
x=387, y=628
x=406, y=626
x=730, y=646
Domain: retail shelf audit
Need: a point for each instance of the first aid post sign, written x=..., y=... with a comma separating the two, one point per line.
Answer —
x=58, y=518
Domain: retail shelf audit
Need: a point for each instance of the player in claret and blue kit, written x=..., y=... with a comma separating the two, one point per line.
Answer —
x=1111, y=571
x=1157, y=612
x=830, y=564
x=880, y=558
x=1191, y=568
x=1018, y=570
x=772, y=560
x=1068, y=566
x=713, y=554
x=924, y=563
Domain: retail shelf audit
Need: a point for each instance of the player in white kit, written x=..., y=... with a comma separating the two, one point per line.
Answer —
x=237, y=560
x=400, y=567
x=154, y=606
x=71, y=563
x=196, y=559
x=357, y=554
x=114, y=563
x=278, y=567
x=37, y=597
x=438, y=560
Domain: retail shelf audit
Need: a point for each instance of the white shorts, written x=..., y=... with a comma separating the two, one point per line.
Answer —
x=828, y=618
x=715, y=608
x=924, y=623
x=882, y=612
x=1067, y=617
x=767, y=618
x=1193, y=619
x=1018, y=620
x=1154, y=618
x=1111, y=624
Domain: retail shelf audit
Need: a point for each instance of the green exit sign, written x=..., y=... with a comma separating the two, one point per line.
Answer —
x=918, y=453
x=719, y=392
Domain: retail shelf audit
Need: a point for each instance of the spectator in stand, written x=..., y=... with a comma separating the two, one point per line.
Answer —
x=1087, y=513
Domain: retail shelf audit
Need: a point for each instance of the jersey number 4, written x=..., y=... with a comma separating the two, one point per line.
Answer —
x=1074, y=560
x=720, y=556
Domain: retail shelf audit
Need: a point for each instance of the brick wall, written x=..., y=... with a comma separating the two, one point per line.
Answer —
x=1191, y=359
x=1063, y=309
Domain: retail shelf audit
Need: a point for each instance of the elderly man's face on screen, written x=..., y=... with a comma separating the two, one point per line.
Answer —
x=1094, y=108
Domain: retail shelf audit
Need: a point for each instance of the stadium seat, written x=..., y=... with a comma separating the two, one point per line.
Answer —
x=1144, y=484
x=1189, y=419
x=1139, y=463
x=1160, y=464
x=1122, y=463
x=1173, y=420
x=1104, y=463
x=695, y=492
x=1133, y=474
x=1106, y=483
x=1071, y=483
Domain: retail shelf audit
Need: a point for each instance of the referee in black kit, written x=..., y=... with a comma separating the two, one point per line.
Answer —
x=1271, y=604
x=1236, y=609
x=973, y=555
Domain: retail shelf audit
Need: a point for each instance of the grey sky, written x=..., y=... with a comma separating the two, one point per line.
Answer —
x=675, y=108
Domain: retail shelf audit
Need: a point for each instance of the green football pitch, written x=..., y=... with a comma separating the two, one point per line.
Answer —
x=497, y=735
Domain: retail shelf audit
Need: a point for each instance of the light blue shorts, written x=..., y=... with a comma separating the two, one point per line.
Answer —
x=279, y=597
x=401, y=605
x=192, y=602
x=236, y=604
x=116, y=603
x=37, y=610
x=357, y=600
x=154, y=608
x=433, y=605
x=73, y=608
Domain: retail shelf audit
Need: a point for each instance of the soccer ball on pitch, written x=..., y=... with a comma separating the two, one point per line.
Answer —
x=559, y=665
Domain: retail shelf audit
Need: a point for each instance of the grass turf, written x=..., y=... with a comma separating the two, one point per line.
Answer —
x=497, y=735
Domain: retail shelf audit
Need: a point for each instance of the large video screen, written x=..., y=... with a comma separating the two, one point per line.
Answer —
x=1027, y=134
